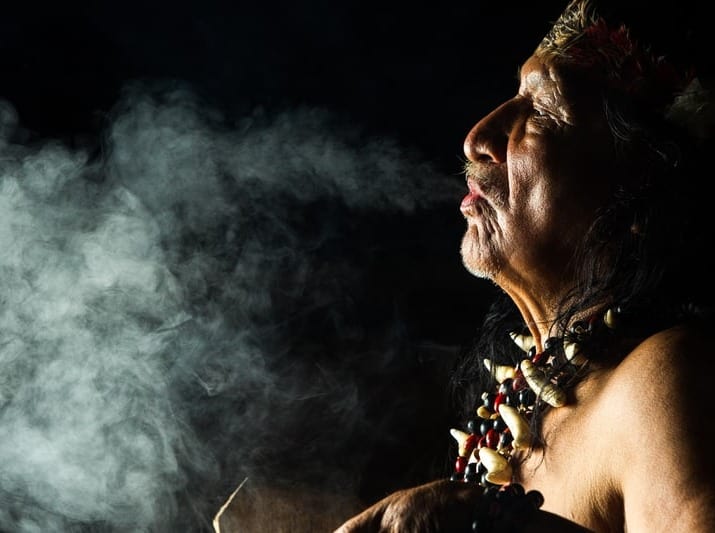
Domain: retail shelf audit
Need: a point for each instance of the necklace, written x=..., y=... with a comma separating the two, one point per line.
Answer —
x=503, y=422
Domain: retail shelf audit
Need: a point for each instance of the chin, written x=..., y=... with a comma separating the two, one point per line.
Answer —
x=476, y=258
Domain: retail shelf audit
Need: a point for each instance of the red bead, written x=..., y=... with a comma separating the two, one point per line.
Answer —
x=500, y=399
x=537, y=357
x=492, y=439
x=470, y=442
x=481, y=443
x=460, y=464
x=518, y=383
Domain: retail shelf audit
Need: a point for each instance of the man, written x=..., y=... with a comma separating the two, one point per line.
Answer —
x=584, y=205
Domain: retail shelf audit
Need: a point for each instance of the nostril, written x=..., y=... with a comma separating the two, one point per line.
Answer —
x=485, y=158
x=488, y=140
x=485, y=145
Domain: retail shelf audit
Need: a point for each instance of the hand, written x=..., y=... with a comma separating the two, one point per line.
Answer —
x=444, y=506
x=438, y=506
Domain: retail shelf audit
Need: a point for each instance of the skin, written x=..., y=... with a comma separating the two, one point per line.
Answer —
x=538, y=169
x=630, y=452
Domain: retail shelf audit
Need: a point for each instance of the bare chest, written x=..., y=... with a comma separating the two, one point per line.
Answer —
x=573, y=470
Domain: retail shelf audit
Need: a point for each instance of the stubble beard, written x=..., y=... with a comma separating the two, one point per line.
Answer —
x=479, y=256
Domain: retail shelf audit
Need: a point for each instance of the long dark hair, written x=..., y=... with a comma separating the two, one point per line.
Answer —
x=647, y=251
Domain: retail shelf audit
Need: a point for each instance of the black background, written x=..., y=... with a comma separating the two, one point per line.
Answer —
x=421, y=73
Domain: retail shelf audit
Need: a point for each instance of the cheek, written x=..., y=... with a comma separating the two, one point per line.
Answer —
x=546, y=216
x=584, y=169
x=578, y=181
x=531, y=193
x=538, y=215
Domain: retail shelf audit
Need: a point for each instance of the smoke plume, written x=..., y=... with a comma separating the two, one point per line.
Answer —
x=180, y=302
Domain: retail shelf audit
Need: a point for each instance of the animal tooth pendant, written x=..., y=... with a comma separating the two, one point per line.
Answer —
x=500, y=372
x=465, y=441
x=609, y=318
x=540, y=384
x=525, y=342
x=517, y=425
x=499, y=470
x=509, y=413
x=572, y=351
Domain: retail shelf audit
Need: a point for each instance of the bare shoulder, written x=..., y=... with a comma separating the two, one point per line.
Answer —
x=679, y=360
x=658, y=397
x=665, y=382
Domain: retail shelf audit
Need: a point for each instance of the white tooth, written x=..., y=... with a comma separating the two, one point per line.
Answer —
x=499, y=471
x=500, y=372
x=517, y=424
x=540, y=384
x=610, y=318
x=572, y=350
x=500, y=477
x=525, y=342
x=492, y=459
x=462, y=439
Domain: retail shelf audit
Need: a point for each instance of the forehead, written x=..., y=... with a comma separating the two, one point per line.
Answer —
x=536, y=75
x=558, y=84
x=541, y=84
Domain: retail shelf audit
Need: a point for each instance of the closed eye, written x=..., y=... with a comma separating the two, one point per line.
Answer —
x=540, y=112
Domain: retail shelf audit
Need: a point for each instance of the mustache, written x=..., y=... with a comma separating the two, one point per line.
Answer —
x=490, y=180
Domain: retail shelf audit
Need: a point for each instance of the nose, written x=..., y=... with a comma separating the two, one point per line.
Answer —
x=487, y=141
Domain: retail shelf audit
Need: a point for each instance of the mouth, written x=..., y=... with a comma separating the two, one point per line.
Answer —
x=468, y=207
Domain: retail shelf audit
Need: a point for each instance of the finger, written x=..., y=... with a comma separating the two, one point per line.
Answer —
x=367, y=521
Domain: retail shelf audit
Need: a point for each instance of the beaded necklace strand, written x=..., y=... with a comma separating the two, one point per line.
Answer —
x=503, y=422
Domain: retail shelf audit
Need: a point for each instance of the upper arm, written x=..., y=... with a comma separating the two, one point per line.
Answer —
x=666, y=467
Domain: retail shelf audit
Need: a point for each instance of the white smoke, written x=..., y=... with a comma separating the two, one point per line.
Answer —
x=154, y=300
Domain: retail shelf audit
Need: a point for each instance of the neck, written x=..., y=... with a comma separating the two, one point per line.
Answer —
x=539, y=314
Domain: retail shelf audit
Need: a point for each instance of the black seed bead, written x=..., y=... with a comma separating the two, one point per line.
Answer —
x=471, y=478
x=485, y=426
x=526, y=397
x=472, y=426
x=456, y=476
x=489, y=400
x=490, y=491
x=536, y=498
x=482, y=525
x=532, y=352
x=505, y=386
x=505, y=439
x=551, y=343
x=504, y=495
x=581, y=329
x=481, y=469
x=470, y=469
